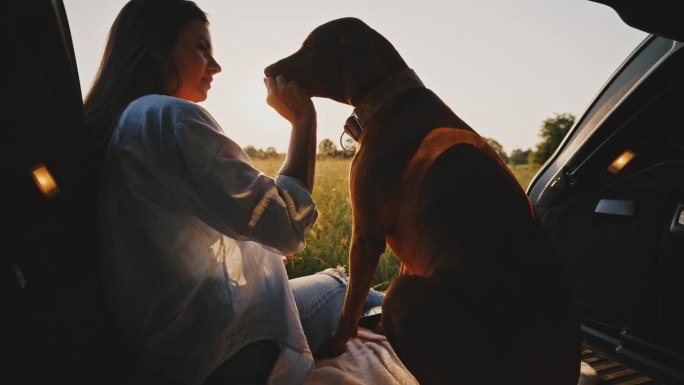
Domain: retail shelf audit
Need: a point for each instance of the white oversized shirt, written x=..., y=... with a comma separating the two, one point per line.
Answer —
x=191, y=244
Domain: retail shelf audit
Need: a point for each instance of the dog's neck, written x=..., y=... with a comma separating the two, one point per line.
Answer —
x=395, y=85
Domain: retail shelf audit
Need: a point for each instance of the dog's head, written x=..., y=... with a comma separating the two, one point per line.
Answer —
x=342, y=60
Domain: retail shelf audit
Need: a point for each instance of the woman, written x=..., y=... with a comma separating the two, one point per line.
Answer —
x=191, y=235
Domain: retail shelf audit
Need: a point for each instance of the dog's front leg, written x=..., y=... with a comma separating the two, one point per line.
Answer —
x=403, y=270
x=364, y=255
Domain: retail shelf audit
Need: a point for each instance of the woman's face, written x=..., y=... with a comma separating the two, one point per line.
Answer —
x=192, y=57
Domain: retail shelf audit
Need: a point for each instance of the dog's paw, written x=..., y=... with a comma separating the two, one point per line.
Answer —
x=332, y=347
x=379, y=329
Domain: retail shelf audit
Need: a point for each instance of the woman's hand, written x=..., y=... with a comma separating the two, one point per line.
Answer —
x=290, y=100
x=295, y=105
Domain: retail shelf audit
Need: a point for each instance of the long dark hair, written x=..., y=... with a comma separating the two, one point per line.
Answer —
x=135, y=60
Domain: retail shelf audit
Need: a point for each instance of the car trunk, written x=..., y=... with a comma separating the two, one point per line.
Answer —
x=54, y=323
x=611, y=199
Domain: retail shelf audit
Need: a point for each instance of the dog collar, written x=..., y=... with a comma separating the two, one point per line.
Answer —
x=395, y=85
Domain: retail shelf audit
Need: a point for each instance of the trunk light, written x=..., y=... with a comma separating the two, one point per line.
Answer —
x=45, y=181
x=621, y=161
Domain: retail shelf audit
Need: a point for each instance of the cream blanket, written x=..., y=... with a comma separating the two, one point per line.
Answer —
x=368, y=359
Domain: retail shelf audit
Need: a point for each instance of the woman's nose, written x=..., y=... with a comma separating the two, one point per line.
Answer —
x=214, y=66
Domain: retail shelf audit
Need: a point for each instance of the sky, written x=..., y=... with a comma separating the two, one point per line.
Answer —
x=503, y=66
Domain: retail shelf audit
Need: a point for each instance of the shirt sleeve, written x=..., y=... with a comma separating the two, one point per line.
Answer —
x=229, y=194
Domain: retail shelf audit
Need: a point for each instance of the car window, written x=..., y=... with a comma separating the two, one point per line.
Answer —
x=650, y=54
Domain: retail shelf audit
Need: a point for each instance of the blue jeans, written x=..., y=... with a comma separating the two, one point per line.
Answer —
x=319, y=298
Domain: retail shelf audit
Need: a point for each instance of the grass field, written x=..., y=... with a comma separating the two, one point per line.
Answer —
x=327, y=244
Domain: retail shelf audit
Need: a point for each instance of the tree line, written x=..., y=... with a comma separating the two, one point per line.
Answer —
x=552, y=132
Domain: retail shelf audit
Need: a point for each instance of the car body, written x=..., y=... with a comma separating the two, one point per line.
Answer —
x=612, y=200
x=619, y=230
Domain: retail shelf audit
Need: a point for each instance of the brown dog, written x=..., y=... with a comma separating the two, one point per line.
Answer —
x=482, y=298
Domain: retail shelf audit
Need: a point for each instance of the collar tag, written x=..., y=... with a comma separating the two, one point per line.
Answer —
x=352, y=127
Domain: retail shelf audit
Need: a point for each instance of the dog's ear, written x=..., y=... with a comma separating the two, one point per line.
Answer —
x=368, y=45
x=356, y=38
x=367, y=55
x=348, y=29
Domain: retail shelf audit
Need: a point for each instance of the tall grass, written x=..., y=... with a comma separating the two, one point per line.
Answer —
x=525, y=173
x=327, y=244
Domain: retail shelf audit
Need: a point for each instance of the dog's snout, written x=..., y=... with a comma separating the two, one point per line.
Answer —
x=269, y=71
x=274, y=69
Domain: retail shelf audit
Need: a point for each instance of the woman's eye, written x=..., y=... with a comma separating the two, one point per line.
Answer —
x=202, y=47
